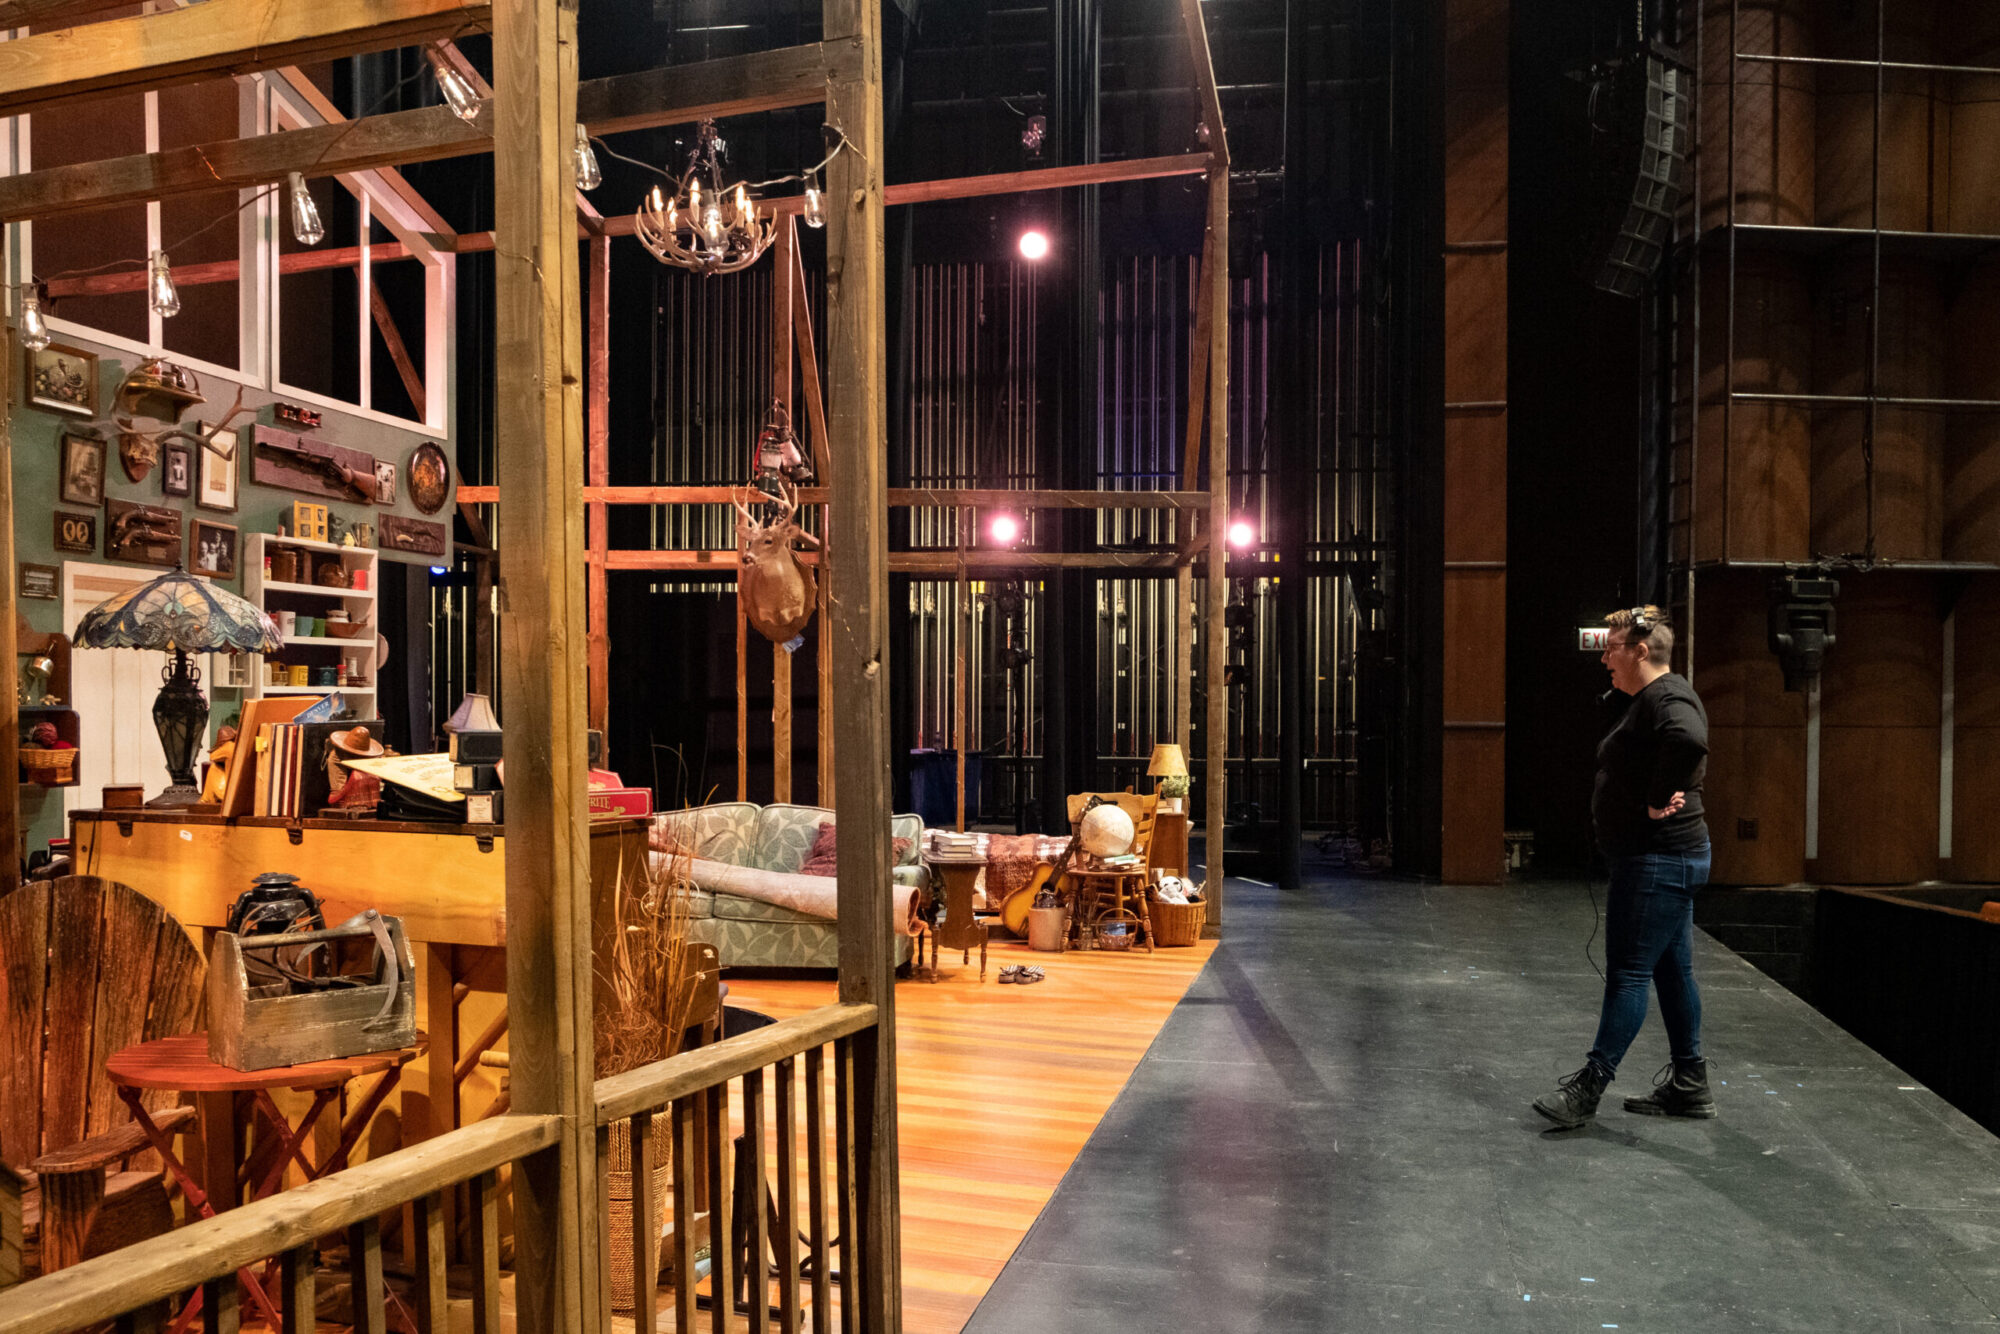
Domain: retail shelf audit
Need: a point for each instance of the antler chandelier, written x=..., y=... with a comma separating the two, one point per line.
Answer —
x=704, y=226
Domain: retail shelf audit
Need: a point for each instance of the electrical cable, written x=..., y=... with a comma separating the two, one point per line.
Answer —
x=1596, y=922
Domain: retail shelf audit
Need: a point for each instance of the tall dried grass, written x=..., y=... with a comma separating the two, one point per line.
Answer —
x=649, y=980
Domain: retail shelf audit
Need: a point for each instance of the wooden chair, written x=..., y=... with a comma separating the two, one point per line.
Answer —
x=87, y=967
x=1089, y=888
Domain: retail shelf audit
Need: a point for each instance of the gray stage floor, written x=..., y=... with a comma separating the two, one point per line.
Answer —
x=1333, y=1132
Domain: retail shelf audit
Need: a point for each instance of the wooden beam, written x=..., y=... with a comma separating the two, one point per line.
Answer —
x=1206, y=90
x=742, y=685
x=1198, y=352
x=593, y=221
x=226, y=270
x=540, y=464
x=940, y=497
x=290, y=85
x=792, y=76
x=946, y=563
x=424, y=135
x=399, y=353
x=802, y=334
x=47, y=13
x=857, y=402
x=1048, y=178
x=597, y=453
x=218, y=37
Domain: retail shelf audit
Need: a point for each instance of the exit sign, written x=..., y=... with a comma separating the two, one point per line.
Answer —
x=1593, y=638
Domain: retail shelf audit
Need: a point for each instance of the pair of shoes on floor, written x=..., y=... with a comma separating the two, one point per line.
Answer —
x=1022, y=973
x=1680, y=1089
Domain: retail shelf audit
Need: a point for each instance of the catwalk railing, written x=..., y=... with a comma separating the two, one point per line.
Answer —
x=748, y=1246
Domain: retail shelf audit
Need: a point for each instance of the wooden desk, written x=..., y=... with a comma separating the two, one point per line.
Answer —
x=447, y=882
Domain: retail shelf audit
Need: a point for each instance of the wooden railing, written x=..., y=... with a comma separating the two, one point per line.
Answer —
x=756, y=1241
x=133, y=1285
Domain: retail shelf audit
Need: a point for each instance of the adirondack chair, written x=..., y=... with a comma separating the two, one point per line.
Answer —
x=87, y=967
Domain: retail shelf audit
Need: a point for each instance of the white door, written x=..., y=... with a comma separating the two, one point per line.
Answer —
x=112, y=692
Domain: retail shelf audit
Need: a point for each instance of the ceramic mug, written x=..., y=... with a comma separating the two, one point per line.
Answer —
x=301, y=674
x=324, y=676
x=288, y=622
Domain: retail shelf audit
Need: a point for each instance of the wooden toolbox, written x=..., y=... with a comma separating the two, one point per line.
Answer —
x=258, y=1018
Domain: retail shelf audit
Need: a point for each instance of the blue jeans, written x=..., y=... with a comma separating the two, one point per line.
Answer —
x=1649, y=935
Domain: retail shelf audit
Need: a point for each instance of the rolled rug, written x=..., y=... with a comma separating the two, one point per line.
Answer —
x=814, y=895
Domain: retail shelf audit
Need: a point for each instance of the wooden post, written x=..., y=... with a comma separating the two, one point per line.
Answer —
x=10, y=705
x=539, y=438
x=742, y=698
x=857, y=392
x=1184, y=649
x=597, y=451
x=783, y=265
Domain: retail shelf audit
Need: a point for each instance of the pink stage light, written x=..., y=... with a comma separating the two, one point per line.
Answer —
x=1241, y=533
x=1034, y=244
x=1004, y=529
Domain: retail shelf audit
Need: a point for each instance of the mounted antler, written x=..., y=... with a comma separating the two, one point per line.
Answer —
x=775, y=587
x=204, y=434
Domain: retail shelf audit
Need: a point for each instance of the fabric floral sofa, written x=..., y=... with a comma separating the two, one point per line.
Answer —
x=748, y=933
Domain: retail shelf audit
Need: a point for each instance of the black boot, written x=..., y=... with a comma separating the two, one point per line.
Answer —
x=1681, y=1089
x=1576, y=1096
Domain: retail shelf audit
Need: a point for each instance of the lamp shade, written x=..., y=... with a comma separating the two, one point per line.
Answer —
x=178, y=611
x=473, y=714
x=1167, y=762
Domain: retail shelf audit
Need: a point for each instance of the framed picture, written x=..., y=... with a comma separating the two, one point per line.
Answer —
x=212, y=549
x=430, y=478
x=40, y=581
x=385, y=482
x=75, y=532
x=217, y=490
x=82, y=462
x=61, y=378
x=176, y=470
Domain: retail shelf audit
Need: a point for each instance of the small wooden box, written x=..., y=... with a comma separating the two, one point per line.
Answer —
x=308, y=521
x=258, y=1026
x=120, y=796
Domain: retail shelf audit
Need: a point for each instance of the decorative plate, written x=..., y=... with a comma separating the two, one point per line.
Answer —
x=429, y=478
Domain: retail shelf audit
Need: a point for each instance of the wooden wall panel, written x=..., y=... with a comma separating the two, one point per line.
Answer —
x=1764, y=475
x=1975, y=797
x=1475, y=327
x=1475, y=459
x=1774, y=141
x=1756, y=774
x=1738, y=678
x=1972, y=439
x=1886, y=670
x=1475, y=616
x=1976, y=654
x=1878, y=805
x=1474, y=805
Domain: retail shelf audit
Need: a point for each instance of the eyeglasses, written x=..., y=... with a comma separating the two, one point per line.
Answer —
x=1612, y=646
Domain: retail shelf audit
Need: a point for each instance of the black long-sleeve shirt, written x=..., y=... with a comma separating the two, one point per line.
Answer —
x=1657, y=746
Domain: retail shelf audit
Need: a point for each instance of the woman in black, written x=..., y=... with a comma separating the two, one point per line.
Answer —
x=1646, y=807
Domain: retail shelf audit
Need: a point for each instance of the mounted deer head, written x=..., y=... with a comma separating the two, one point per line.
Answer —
x=776, y=588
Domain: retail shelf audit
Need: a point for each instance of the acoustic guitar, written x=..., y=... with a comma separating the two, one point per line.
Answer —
x=1014, y=908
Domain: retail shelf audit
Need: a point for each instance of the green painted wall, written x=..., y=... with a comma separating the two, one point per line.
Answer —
x=37, y=446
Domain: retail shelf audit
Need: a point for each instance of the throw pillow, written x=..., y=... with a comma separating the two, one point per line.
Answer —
x=824, y=857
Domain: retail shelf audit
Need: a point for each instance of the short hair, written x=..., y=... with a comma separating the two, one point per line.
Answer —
x=1659, y=636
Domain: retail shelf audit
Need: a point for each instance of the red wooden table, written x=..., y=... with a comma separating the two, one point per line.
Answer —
x=181, y=1064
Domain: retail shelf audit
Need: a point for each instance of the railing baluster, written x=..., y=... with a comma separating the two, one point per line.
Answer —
x=844, y=1167
x=721, y=1290
x=364, y=1277
x=756, y=1284
x=485, y=1210
x=427, y=1217
x=148, y=1319
x=603, y=1185
x=296, y=1278
x=685, y=1172
x=822, y=1280
x=645, y=1229
x=787, y=1238
x=219, y=1312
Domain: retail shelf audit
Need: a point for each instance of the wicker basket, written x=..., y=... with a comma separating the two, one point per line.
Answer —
x=620, y=1174
x=48, y=767
x=1177, y=923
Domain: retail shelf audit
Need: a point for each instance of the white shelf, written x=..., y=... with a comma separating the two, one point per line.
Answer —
x=358, y=643
x=359, y=552
x=323, y=590
x=319, y=690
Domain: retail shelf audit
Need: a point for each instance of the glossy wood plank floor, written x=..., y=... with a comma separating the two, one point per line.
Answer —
x=1000, y=1085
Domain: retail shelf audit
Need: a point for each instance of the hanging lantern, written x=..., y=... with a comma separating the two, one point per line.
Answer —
x=779, y=458
x=706, y=228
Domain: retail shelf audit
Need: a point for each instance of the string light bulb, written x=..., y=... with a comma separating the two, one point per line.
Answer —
x=160, y=293
x=457, y=89
x=34, y=329
x=307, y=229
x=815, y=207
x=588, y=177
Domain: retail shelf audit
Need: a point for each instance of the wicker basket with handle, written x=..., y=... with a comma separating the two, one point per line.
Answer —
x=1177, y=923
x=48, y=766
